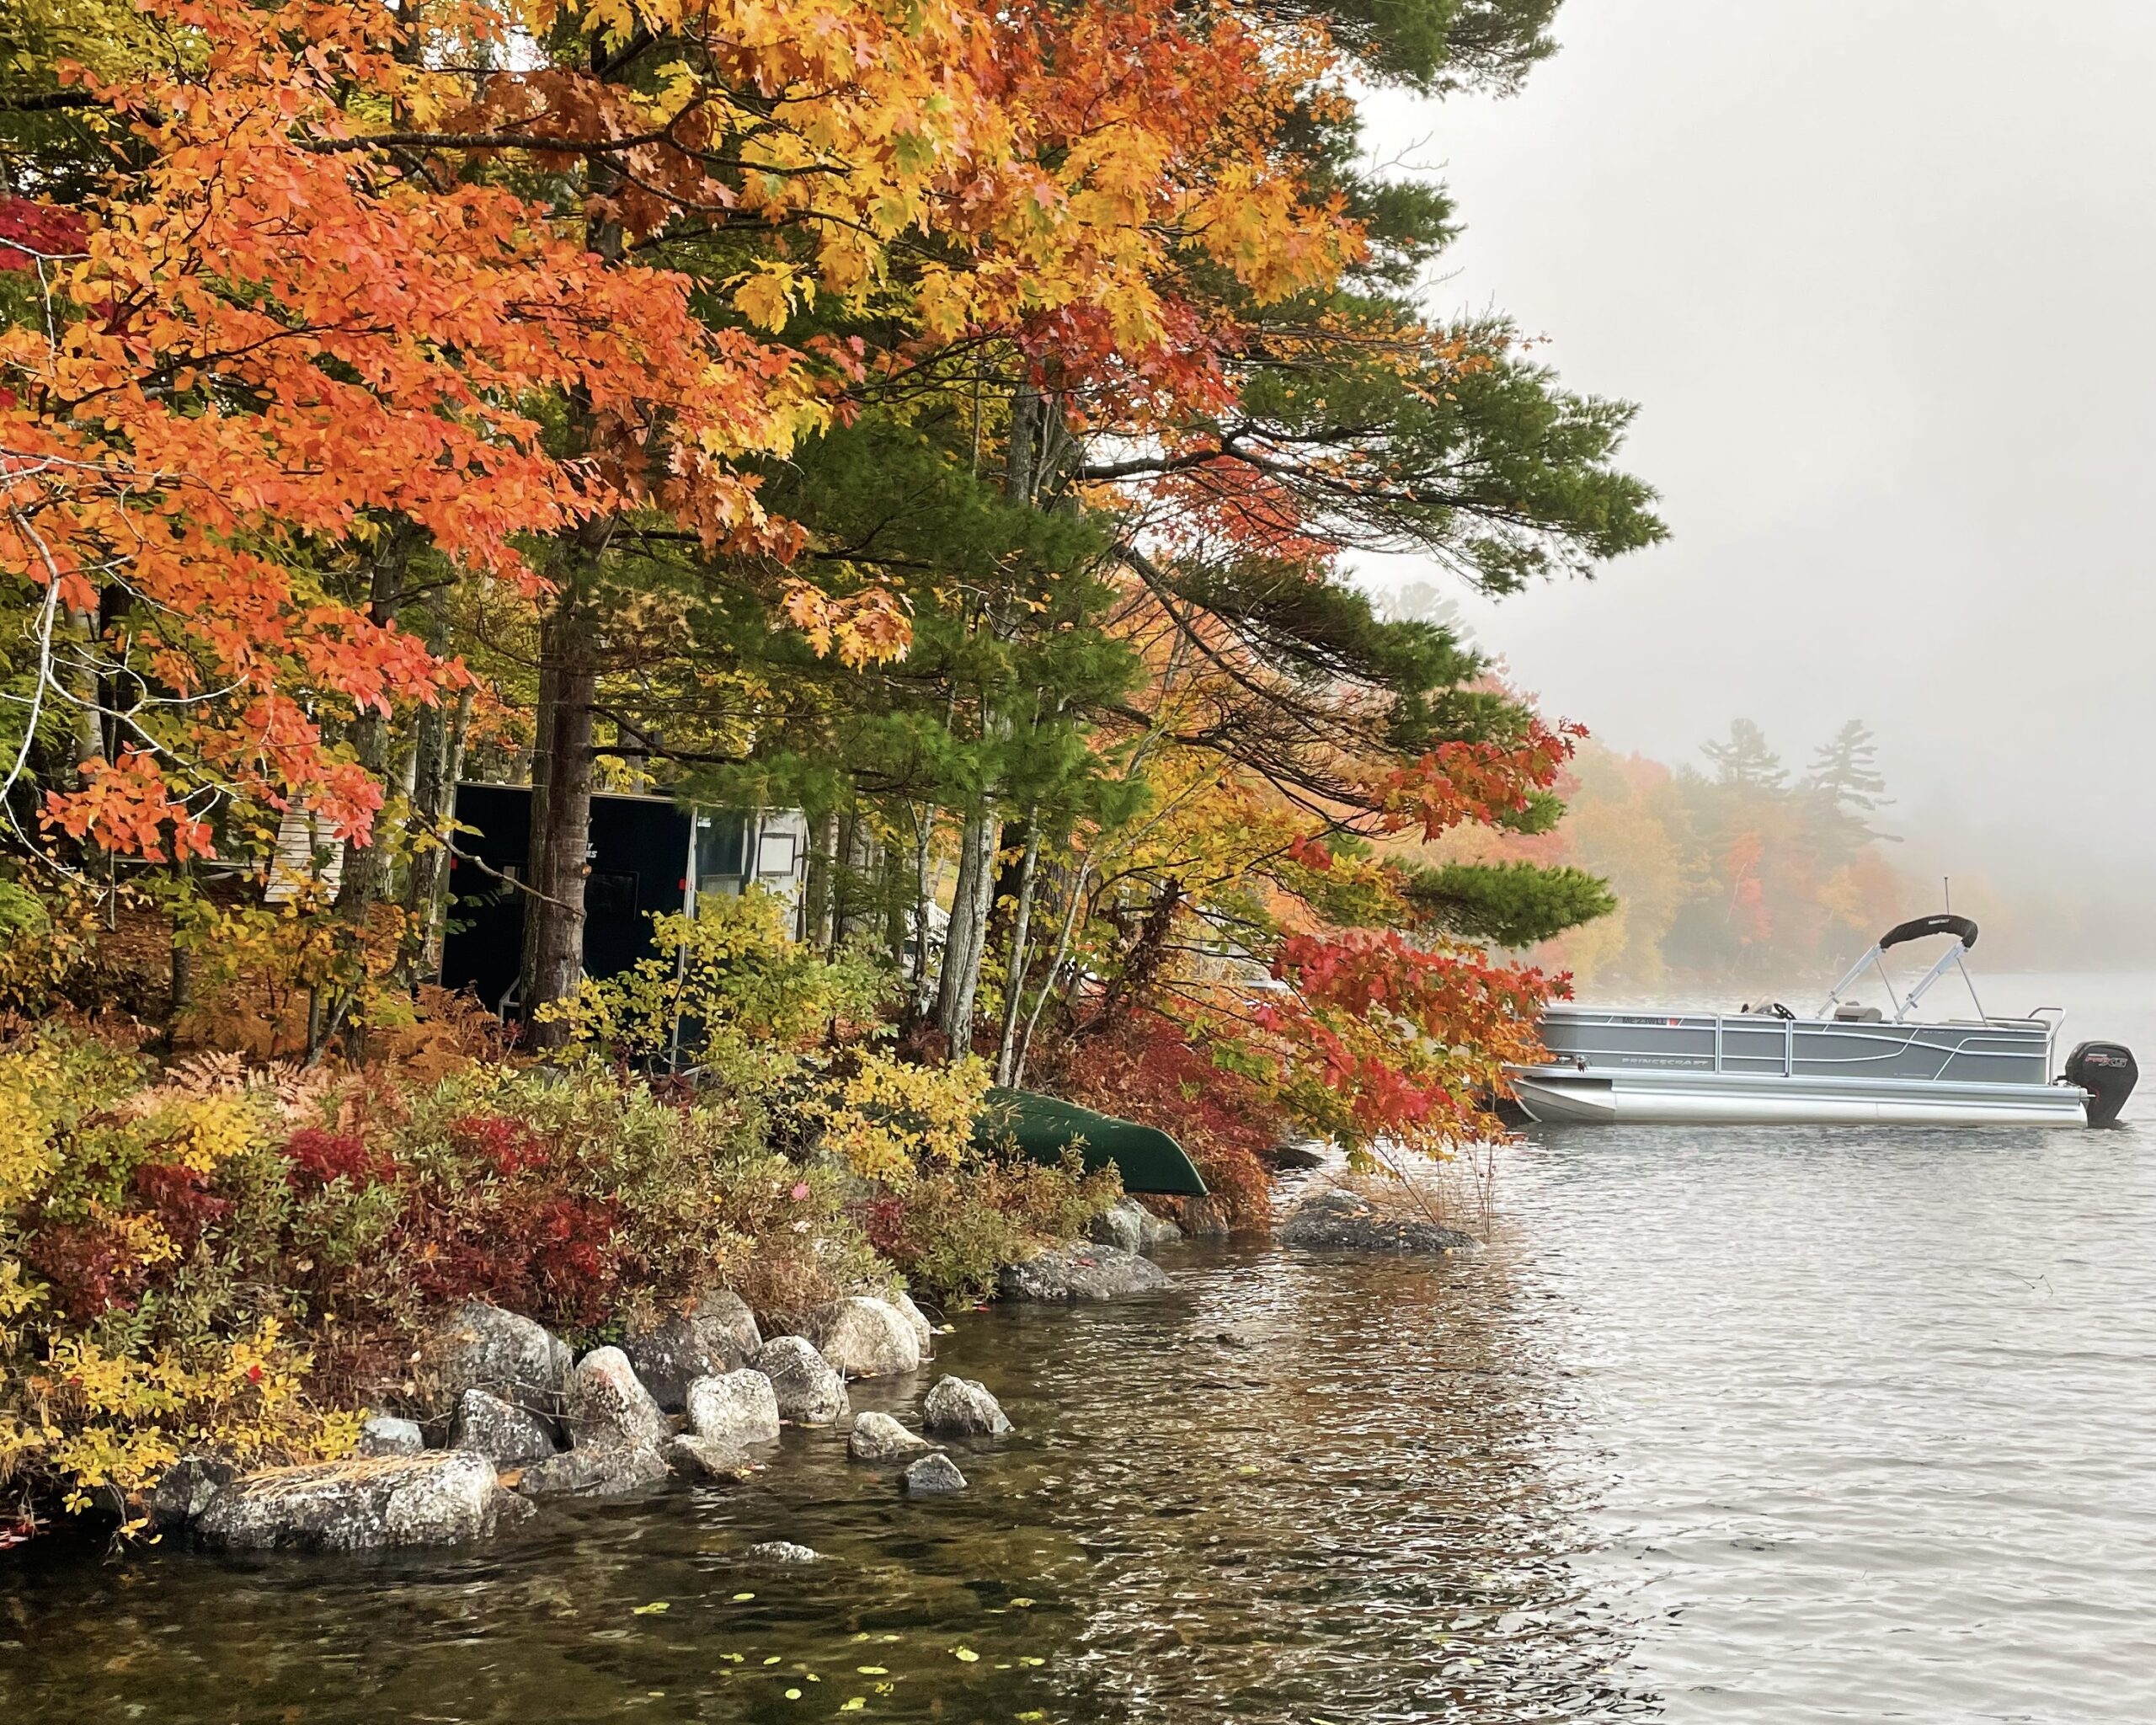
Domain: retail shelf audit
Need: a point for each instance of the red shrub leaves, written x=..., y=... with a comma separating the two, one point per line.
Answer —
x=317, y=1157
x=181, y=1201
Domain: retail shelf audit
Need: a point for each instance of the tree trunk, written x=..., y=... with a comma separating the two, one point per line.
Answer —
x=365, y=880
x=819, y=891
x=965, y=940
x=437, y=763
x=924, y=900
x=1014, y=984
x=1070, y=914
x=561, y=827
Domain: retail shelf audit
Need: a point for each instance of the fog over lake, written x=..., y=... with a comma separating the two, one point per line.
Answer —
x=1878, y=278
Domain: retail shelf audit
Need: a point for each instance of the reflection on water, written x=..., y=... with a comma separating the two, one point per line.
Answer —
x=1360, y=1504
x=1740, y=1426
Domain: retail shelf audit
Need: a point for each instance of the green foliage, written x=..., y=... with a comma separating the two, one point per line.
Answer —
x=1507, y=904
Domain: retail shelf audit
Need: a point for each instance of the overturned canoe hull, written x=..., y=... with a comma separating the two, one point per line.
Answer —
x=1044, y=1128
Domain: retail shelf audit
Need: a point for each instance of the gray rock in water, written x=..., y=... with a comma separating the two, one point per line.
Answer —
x=385, y=1434
x=808, y=1389
x=1132, y=1227
x=959, y=1407
x=783, y=1551
x=607, y=1403
x=865, y=1339
x=1081, y=1272
x=481, y=1347
x=924, y=1332
x=934, y=1476
x=186, y=1488
x=506, y=1436
x=741, y=1408
x=443, y=1498
x=878, y=1436
x=1290, y=1158
x=717, y=1337
x=1340, y=1221
x=601, y=1470
x=695, y=1457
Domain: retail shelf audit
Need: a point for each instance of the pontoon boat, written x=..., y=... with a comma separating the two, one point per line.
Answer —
x=1849, y=1064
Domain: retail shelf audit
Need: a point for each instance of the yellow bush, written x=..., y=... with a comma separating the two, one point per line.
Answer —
x=886, y=1118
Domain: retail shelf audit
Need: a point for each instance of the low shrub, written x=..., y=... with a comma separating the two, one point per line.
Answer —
x=950, y=1231
x=222, y=1259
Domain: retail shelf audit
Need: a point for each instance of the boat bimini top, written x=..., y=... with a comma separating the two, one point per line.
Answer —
x=1916, y=929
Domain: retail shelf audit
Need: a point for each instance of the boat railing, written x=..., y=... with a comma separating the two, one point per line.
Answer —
x=1764, y=1045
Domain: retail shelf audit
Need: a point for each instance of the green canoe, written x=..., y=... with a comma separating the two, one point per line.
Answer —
x=1043, y=1127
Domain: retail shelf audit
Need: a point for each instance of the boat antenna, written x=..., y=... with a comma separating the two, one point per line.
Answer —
x=1947, y=882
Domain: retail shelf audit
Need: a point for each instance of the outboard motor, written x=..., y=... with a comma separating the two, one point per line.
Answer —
x=2106, y=1071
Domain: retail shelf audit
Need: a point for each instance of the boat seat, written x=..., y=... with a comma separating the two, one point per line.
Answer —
x=1849, y=1012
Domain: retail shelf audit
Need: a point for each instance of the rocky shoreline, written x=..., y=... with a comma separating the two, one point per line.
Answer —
x=502, y=1415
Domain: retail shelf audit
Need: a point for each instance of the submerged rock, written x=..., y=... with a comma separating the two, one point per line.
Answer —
x=934, y=1476
x=783, y=1551
x=808, y=1389
x=598, y=1470
x=1133, y=1228
x=607, y=1403
x=959, y=1407
x=385, y=1434
x=481, y=1347
x=443, y=1498
x=695, y=1457
x=1341, y=1221
x=878, y=1436
x=506, y=1436
x=1081, y=1272
x=741, y=1408
x=866, y=1338
x=718, y=1336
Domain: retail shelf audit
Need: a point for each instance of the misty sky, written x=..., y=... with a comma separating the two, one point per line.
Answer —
x=1880, y=275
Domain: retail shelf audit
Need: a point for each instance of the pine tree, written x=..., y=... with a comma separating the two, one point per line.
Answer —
x=1744, y=761
x=1845, y=770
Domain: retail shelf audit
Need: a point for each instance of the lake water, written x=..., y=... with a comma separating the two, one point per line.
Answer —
x=1733, y=1426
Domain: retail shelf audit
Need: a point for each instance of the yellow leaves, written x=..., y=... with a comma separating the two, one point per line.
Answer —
x=890, y=1118
x=944, y=304
x=765, y=296
x=119, y=1421
x=27, y=1156
x=215, y=1127
x=872, y=627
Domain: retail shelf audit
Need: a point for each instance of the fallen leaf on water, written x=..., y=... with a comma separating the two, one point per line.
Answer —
x=1030, y=1659
x=739, y=1598
x=793, y=1694
x=773, y=1660
x=1021, y=1605
x=854, y=1705
x=734, y=1659
x=873, y=1670
x=654, y=1607
x=964, y=1656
